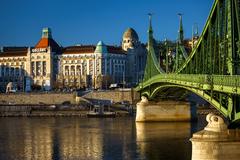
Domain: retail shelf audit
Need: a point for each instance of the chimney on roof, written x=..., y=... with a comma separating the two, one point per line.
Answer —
x=46, y=33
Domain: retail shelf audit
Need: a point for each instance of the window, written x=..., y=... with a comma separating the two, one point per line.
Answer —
x=44, y=68
x=84, y=67
x=102, y=65
x=2, y=70
x=11, y=71
x=38, y=65
x=108, y=66
x=66, y=70
x=7, y=71
x=72, y=70
x=78, y=70
x=91, y=67
x=33, y=68
x=16, y=71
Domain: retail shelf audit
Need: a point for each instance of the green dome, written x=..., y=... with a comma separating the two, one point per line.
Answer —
x=101, y=48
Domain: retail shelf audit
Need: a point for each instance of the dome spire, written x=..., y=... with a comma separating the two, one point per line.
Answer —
x=180, y=32
x=101, y=48
x=150, y=30
x=46, y=33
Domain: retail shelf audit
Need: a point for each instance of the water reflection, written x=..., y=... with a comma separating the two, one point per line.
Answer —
x=92, y=139
x=22, y=139
x=163, y=141
x=66, y=138
x=49, y=139
x=77, y=139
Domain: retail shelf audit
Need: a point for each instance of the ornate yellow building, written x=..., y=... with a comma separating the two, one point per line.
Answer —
x=30, y=67
x=13, y=64
x=91, y=66
x=48, y=65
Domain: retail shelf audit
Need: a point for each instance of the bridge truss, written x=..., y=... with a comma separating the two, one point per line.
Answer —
x=211, y=70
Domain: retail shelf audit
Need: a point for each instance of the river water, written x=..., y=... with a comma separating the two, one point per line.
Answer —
x=73, y=138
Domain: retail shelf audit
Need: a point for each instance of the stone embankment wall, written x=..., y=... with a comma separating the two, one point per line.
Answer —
x=37, y=98
x=115, y=96
x=56, y=104
x=59, y=98
x=49, y=110
x=41, y=111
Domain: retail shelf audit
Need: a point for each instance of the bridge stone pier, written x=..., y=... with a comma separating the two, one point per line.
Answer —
x=149, y=111
x=216, y=142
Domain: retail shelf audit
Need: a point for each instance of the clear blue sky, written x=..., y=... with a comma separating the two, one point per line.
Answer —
x=88, y=21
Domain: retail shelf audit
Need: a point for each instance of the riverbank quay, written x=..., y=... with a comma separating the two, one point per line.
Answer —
x=61, y=104
x=50, y=111
x=47, y=98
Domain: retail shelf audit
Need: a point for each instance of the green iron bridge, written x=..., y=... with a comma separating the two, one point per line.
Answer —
x=211, y=70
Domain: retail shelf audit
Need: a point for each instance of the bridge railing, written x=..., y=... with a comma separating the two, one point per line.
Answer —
x=227, y=80
x=224, y=80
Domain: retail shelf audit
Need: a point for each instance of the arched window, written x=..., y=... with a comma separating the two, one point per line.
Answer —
x=78, y=70
x=72, y=70
x=67, y=70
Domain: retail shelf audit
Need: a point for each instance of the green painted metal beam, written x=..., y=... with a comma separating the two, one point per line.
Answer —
x=211, y=70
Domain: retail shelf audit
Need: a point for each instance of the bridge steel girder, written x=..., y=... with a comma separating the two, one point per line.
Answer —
x=218, y=48
x=212, y=69
x=218, y=83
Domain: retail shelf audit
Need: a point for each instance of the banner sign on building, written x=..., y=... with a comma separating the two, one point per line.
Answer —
x=37, y=50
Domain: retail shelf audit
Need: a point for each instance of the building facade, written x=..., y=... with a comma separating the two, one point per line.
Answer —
x=91, y=66
x=136, y=56
x=48, y=65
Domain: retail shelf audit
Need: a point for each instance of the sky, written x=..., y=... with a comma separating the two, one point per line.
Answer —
x=89, y=21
